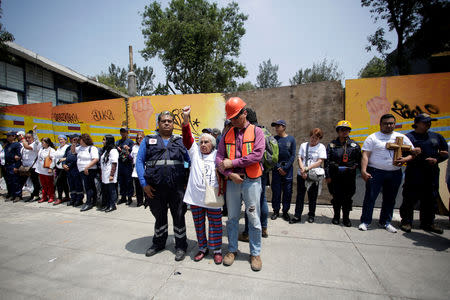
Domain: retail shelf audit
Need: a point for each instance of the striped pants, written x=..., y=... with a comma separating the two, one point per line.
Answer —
x=215, y=227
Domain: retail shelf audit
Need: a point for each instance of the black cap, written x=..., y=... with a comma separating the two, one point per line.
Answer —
x=123, y=129
x=11, y=133
x=207, y=130
x=74, y=135
x=423, y=117
x=278, y=122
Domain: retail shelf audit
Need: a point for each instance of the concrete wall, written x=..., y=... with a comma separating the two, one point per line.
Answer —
x=303, y=107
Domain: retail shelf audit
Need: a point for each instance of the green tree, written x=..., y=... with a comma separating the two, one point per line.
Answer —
x=322, y=71
x=401, y=16
x=246, y=86
x=268, y=75
x=117, y=78
x=5, y=37
x=197, y=43
x=376, y=67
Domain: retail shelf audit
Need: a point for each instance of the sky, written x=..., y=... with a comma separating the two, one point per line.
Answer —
x=88, y=35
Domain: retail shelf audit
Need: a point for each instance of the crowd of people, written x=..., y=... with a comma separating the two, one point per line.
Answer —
x=214, y=176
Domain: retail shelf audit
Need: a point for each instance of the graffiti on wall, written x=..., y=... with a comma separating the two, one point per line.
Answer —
x=366, y=100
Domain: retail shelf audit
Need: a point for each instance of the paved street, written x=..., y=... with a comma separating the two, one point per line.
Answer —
x=57, y=252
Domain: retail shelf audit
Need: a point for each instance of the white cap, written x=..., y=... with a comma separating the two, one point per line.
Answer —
x=21, y=133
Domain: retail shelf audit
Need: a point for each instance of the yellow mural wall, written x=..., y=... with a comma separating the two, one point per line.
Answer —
x=98, y=118
x=366, y=100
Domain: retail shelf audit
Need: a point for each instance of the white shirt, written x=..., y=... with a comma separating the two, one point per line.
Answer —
x=380, y=157
x=42, y=154
x=85, y=156
x=2, y=156
x=60, y=154
x=314, y=154
x=195, y=191
x=134, y=152
x=28, y=156
x=106, y=168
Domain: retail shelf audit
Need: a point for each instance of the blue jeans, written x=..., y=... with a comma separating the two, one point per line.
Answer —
x=390, y=182
x=282, y=184
x=250, y=192
x=263, y=204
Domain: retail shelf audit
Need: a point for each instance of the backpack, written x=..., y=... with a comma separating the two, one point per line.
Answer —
x=270, y=158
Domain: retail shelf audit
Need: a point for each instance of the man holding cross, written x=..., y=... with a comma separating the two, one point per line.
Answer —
x=381, y=169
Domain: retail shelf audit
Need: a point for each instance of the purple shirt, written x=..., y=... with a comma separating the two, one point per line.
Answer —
x=239, y=163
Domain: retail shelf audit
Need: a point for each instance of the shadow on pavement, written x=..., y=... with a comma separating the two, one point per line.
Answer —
x=429, y=240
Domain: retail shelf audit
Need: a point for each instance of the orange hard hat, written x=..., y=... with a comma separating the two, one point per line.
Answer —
x=234, y=106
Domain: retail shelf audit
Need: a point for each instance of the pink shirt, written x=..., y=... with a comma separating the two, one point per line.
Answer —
x=239, y=163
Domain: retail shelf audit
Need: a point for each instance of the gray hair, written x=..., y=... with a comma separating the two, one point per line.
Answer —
x=209, y=137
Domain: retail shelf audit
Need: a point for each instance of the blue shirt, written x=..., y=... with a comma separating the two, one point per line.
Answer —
x=140, y=160
x=287, y=155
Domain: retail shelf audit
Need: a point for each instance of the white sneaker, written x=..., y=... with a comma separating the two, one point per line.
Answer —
x=390, y=228
x=362, y=227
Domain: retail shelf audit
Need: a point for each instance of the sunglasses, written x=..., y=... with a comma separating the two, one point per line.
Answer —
x=237, y=116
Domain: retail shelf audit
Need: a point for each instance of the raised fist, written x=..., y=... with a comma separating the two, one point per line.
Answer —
x=142, y=111
x=378, y=105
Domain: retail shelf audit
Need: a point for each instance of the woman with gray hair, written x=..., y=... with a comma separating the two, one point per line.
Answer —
x=61, y=175
x=203, y=170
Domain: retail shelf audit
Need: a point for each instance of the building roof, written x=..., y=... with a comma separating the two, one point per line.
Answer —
x=57, y=68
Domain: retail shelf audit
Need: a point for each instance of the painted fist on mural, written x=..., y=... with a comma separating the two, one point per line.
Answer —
x=142, y=112
x=378, y=105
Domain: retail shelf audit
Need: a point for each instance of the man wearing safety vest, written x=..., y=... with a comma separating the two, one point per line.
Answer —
x=160, y=169
x=238, y=158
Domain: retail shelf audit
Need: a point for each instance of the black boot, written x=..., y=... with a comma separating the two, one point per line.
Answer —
x=122, y=200
x=129, y=201
x=346, y=219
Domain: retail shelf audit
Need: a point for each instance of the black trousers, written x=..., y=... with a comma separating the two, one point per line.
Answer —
x=139, y=190
x=420, y=185
x=342, y=188
x=173, y=197
x=300, y=200
x=35, y=180
x=61, y=183
x=125, y=180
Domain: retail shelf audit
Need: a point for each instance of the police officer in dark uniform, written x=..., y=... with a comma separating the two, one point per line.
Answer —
x=160, y=169
x=12, y=163
x=422, y=175
x=343, y=158
x=73, y=175
x=124, y=177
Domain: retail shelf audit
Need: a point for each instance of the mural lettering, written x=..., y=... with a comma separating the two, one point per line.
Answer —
x=66, y=118
x=100, y=115
x=406, y=112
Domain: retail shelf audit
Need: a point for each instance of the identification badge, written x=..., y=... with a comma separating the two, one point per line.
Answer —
x=345, y=157
x=152, y=141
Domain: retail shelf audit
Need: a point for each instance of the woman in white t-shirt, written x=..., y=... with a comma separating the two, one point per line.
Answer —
x=137, y=185
x=108, y=165
x=310, y=156
x=61, y=175
x=31, y=146
x=202, y=168
x=46, y=173
x=87, y=158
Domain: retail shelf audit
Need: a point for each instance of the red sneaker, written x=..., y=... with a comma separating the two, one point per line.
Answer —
x=218, y=258
x=42, y=200
x=51, y=200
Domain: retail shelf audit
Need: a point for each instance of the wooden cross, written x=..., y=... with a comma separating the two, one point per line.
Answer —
x=398, y=148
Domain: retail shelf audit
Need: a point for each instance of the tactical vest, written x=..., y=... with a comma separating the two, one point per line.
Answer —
x=254, y=170
x=164, y=165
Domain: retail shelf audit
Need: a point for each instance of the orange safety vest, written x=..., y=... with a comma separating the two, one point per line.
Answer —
x=254, y=170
